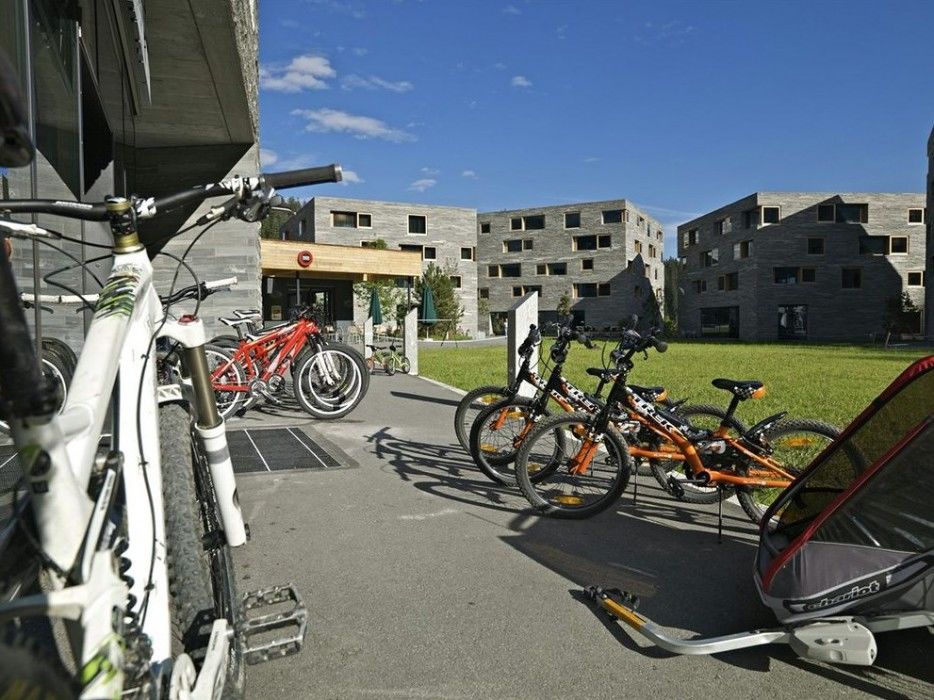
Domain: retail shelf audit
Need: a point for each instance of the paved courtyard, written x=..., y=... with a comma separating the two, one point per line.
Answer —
x=425, y=580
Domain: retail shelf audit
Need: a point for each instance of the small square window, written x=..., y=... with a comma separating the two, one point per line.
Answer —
x=534, y=223
x=852, y=278
x=815, y=246
x=517, y=291
x=541, y=269
x=430, y=253
x=637, y=246
x=771, y=215
x=721, y=283
x=572, y=219
x=466, y=253
x=785, y=275
x=722, y=226
x=916, y=216
x=515, y=224
x=456, y=279
x=915, y=279
x=612, y=216
x=826, y=213
x=852, y=213
x=364, y=221
x=808, y=274
x=557, y=268
x=603, y=289
x=484, y=227
x=344, y=219
x=511, y=270
x=483, y=292
x=584, y=243
x=418, y=224
x=512, y=246
x=898, y=245
x=587, y=264
x=605, y=241
x=492, y=271
x=527, y=244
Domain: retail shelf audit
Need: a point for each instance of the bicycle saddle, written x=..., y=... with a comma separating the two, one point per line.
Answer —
x=742, y=389
x=234, y=322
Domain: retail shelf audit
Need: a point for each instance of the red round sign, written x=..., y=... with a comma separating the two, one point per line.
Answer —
x=305, y=258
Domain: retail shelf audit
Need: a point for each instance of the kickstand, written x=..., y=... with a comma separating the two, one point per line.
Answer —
x=719, y=514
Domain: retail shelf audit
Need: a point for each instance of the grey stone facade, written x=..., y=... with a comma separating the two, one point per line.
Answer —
x=449, y=240
x=760, y=273
x=580, y=249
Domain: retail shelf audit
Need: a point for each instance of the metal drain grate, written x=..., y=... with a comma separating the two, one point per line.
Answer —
x=278, y=449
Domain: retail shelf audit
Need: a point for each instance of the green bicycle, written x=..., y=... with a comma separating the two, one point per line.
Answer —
x=387, y=357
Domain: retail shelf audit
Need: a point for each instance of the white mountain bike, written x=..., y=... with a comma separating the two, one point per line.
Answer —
x=125, y=548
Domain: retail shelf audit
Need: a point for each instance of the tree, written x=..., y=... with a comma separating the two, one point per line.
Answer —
x=564, y=306
x=390, y=296
x=902, y=315
x=270, y=226
x=673, y=278
x=450, y=311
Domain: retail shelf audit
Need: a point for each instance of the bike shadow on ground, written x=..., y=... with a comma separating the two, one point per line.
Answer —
x=421, y=397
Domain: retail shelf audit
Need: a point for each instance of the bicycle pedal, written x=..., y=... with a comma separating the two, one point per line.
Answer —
x=274, y=634
x=677, y=490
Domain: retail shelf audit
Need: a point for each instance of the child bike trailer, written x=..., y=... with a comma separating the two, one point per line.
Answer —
x=848, y=549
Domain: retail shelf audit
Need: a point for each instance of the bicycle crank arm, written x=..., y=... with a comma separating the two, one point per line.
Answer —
x=213, y=669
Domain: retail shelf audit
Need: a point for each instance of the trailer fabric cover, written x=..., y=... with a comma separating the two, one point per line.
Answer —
x=855, y=532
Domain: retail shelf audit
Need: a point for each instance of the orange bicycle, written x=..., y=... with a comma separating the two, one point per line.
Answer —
x=576, y=465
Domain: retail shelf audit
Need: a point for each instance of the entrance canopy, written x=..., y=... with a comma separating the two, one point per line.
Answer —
x=321, y=260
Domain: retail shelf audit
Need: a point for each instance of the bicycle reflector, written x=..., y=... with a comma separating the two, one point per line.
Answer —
x=758, y=393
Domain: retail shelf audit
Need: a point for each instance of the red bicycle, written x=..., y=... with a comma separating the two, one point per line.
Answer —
x=328, y=378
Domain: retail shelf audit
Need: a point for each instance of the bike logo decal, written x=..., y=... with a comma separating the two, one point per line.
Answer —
x=851, y=592
x=647, y=409
x=118, y=297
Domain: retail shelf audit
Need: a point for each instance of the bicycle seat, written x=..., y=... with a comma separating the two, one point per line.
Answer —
x=742, y=389
x=649, y=393
x=376, y=347
x=234, y=322
x=247, y=313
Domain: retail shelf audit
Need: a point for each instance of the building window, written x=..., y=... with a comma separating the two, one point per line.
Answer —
x=826, y=213
x=484, y=227
x=512, y=246
x=637, y=246
x=344, y=219
x=700, y=286
x=537, y=288
x=916, y=216
x=418, y=224
x=517, y=291
x=808, y=275
x=511, y=270
x=492, y=271
x=587, y=264
x=456, y=279
x=771, y=215
x=585, y=243
x=412, y=249
x=572, y=219
x=720, y=322
x=792, y=322
x=873, y=245
x=557, y=269
x=709, y=258
x=541, y=269
x=515, y=223
x=656, y=273
x=915, y=279
x=466, y=253
x=721, y=283
x=534, y=223
x=750, y=218
x=728, y=282
x=603, y=289
x=527, y=244
x=584, y=290
x=651, y=251
x=785, y=275
x=690, y=237
x=640, y=221
x=898, y=245
x=302, y=227
x=364, y=221
x=852, y=278
x=742, y=250
x=604, y=241
x=815, y=246
x=852, y=213
x=612, y=216
x=483, y=293
x=722, y=226
x=430, y=253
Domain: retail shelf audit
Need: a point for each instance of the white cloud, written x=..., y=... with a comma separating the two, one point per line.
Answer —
x=267, y=157
x=511, y=10
x=373, y=82
x=290, y=23
x=334, y=120
x=521, y=81
x=472, y=174
x=431, y=171
x=423, y=184
x=296, y=162
x=305, y=72
x=360, y=51
x=350, y=177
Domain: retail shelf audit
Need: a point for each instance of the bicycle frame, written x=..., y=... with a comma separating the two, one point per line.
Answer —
x=273, y=351
x=58, y=456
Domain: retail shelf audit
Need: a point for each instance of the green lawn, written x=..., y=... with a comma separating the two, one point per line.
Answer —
x=827, y=382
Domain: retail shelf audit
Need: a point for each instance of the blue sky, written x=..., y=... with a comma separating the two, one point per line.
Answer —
x=678, y=106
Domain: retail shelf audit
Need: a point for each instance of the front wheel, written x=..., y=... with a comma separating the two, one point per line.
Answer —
x=471, y=405
x=201, y=580
x=329, y=384
x=795, y=444
x=404, y=364
x=227, y=378
x=589, y=474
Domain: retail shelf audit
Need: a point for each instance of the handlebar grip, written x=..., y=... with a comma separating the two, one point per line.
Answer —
x=661, y=345
x=307, y=176
x=217, y=284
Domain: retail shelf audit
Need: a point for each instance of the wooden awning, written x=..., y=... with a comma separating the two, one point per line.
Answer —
x=336, y=261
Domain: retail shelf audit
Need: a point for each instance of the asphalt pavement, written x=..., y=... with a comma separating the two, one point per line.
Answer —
x=425, y=580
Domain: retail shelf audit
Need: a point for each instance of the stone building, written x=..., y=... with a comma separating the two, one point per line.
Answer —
x=606, y=257
x=929, y=263
x=802, y=265
x=445, y=236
